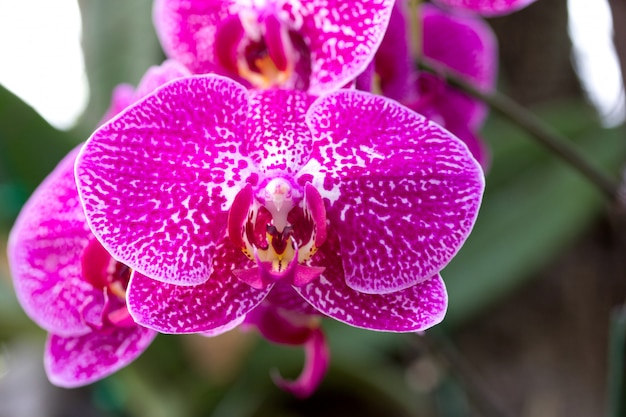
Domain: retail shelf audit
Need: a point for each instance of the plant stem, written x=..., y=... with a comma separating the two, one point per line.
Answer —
x=532, y=124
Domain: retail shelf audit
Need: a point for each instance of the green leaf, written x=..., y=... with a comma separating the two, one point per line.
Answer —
x=29, y=147
x=526, y=220
x=29, y=150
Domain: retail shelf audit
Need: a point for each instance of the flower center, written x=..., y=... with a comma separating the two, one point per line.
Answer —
x=262, y=49
x=105, y=273
x=280, y=227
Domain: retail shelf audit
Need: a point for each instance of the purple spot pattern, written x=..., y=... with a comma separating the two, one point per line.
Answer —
x=342, y=36
x=403, y=194
x=157, y=181
x=44, y=250
x=488, y=8
x=75, y=361
x=279, y=139
x=413, y=309
x=212, y=307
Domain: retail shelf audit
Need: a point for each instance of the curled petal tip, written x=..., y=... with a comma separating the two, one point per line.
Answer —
x=317, y=358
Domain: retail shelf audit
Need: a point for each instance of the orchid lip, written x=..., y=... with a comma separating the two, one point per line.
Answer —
x=263, y=49
x=279, y=227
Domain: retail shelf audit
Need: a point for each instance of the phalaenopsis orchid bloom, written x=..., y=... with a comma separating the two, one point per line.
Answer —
x=217, y=196
x=311, y=45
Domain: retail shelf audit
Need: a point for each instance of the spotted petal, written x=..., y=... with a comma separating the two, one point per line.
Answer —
x=279, y=139
x=413, y=309
x=44, y=252
x=75, y=361
x=157, y=181
x=487, y=7
x=342, y=36
x=216, y=305
x=403, y=193
x=187, y=30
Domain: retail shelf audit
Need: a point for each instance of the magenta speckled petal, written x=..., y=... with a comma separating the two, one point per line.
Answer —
x=415, y=308
x=468, y=46
x=44, y=252
x=157, y=181
x=279, y=139
x=80, y=360
x=474, y=142
x=342, y=36
x=486, y=7
x=208, y=307
x=403, y=193
x=187, y=30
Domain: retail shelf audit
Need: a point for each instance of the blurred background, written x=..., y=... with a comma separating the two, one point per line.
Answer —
x=535, y=326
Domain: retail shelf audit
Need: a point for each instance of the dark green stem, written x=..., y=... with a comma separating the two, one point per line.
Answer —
x=533, y=125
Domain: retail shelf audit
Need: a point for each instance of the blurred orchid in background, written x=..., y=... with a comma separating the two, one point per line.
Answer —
x=70, y=286
x=461, y=43
x=66, y=281
x=486, y=7
x=311, y=45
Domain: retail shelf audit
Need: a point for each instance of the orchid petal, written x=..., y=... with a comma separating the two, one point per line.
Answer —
x=342, y=36
x=274, y=323
x=489, y=8
x=44, y=251
x=476, y=144
x=285, y=297
x=187, y=29
x=75, y=361
x=403, y=193
x=157, y=181
x=279, y=139
x=468, y=46
x=208, y=307
x=123, y=95
x=393, y=60
x=223, y=329
x=317, y=358
x=159, y=75
x=413, y=309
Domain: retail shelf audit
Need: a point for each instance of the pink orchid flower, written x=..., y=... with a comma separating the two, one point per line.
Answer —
x=215, y=195
x=71, y=287
x=67, y=282
x=488, y=8
x=311, y=45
